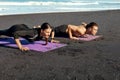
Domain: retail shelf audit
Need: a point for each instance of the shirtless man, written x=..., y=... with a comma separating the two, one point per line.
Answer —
x=73, y=31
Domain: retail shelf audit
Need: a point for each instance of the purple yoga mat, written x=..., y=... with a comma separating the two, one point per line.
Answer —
x=36, y=46
x=89, y=37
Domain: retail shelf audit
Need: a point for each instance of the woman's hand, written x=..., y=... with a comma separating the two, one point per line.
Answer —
x=24, y=48
x=55, y=41
x=20, y=45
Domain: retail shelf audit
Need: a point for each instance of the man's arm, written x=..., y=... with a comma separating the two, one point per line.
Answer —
x=70, y=33
x=81, y=31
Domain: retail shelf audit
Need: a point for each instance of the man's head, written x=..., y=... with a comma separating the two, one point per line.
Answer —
x=91, y=28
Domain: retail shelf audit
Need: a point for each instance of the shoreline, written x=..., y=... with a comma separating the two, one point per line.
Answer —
x=56, y=19
x=54, y=12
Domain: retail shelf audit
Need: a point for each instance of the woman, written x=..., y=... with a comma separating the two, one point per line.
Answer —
x=22, y=30
x=73, y=31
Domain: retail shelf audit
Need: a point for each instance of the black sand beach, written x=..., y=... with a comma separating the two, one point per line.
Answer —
x=94, y=60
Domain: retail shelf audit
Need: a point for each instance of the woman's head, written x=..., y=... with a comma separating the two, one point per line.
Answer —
x=46, y=30
x=91, y=28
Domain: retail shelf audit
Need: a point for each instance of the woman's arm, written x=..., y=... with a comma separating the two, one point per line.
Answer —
x=52, y=35
x=20, y=45
x=18, y=34
x=52, y=38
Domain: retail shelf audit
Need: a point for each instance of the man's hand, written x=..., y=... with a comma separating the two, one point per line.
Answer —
x=74, y=38
x=84, y=36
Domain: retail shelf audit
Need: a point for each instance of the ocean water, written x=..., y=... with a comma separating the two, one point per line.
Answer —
x=12, y=7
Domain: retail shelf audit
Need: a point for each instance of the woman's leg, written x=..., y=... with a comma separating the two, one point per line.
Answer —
x=18, y=27
x=14, y=28
x=4, y=32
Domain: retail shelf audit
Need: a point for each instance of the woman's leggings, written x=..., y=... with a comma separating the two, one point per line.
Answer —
x=12, y=29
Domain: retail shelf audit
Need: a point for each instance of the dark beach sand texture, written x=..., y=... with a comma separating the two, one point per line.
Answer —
x=94, y=60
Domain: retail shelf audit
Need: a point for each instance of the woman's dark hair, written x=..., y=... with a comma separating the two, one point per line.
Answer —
x=45, y=26
x=90, y=25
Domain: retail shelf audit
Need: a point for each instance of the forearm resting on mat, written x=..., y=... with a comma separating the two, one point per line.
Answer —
x=20, y=45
